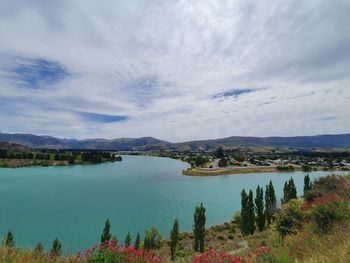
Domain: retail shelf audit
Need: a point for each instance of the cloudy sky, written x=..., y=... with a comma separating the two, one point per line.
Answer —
x=175, y=70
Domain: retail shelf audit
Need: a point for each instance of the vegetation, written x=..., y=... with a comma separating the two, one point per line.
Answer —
x=199, y=228
x=289, y=191
x=106, y=234
x=174, y=236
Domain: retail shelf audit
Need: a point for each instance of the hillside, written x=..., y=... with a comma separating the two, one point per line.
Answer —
x=14, y=147
x=150, y=143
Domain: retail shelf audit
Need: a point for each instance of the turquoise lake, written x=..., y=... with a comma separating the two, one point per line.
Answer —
x=72, y=203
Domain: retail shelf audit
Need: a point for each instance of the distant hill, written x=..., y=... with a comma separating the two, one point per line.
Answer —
x=153, y=144
x=14, y=147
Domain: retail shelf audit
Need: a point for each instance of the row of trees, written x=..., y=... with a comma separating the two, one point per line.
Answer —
x=259, y=211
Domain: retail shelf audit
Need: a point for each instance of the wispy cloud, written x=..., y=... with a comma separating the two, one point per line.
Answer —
x=169, y=69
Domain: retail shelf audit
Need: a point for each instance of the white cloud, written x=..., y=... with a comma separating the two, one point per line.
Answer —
x=162, y=62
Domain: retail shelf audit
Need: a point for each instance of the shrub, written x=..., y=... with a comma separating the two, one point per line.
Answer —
x=290, y=218
x=220, y=237
x=331, y=184
x=215, y=256
x=152, y=238
x=111, y=252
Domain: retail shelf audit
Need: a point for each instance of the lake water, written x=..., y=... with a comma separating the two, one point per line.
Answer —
x=72, y=203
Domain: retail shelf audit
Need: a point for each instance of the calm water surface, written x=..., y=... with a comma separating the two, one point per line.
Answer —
x=72, y=203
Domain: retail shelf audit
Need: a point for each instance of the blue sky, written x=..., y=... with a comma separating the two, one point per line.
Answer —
x=175, y=70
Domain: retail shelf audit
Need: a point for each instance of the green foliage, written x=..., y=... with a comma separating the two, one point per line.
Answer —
x=222, y=162
x=127, y=240
x=237, y=218
x=325, y=214
x=56, y=248
x=152, y=238
x=307, y=184
x=251, y=213
x=200, y=161
x=331, y=184
x=9, y=240
x=137, y=241
x=289, y=191
x=219, y=153
x=39, y=248
x=306, y=168
x=259, y=208
x=244, y=226
x=106, y=234
x=270, y=202
x=174, y=235
x=199, y=228
x=289, y=219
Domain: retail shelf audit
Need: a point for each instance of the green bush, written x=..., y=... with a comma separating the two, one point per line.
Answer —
x=290, y=218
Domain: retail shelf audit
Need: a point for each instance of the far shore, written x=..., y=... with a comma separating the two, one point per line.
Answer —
x=238, y=170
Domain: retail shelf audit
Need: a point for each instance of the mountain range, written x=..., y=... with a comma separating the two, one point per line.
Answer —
x=153, y=144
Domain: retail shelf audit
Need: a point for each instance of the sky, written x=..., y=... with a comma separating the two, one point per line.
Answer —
x=174, y=70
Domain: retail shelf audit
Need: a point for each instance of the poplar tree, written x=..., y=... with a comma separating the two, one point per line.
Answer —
x=137, y=241
x=307, y=184
x=9, y=240
x=244, y=214
x=289, y=191
x=127, y=242
x=270, y=202
x=56, y=248
x=174, y=235
x=251, y=213
x=106, y=234
x=259, y=208
x=199, y=228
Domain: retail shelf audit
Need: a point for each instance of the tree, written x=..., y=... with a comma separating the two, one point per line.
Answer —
x=56, y=248
x=199, y=228
x=174, y=235
x=270, y=202
x=259, y=208
x=152, y=238
x=137, y=241
x=289, y=191
x=244, y=223
x=251, y=213
x=39, y=248
x=219, y=153
x=127, y=240
x=106, y=234
x=9, y=240
x=307, y=184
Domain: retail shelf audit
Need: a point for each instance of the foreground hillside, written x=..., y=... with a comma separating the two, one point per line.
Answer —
x=153, y=144
x=315, y=228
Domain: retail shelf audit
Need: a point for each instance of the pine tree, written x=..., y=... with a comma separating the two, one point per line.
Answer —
x=199, y=228
x=106, y=234
x=259, y=208
x=307, y=184
x=127, y=242
x=137, y=241
x=56, y=248
x=9, y=240
x=244, y=214
x=174, y=235
x=251, y=213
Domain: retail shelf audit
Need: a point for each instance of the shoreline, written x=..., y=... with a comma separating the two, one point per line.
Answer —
x=203, y=172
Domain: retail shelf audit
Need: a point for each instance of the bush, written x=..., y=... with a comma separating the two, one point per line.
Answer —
x=328, y=185
x=220, y=237
x=326, y=210
x=111, y=252
x=215, y=256
x=290, y=218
